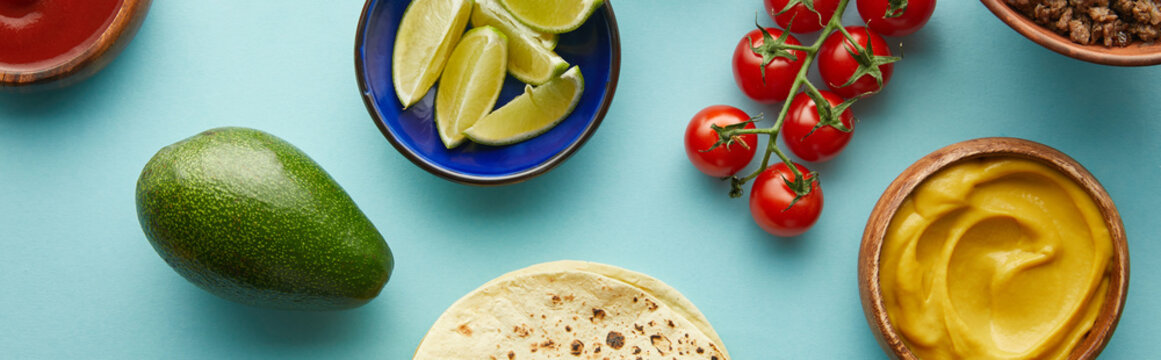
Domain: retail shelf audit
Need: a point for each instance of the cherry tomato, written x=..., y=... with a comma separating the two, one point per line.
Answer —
x=836, y=65
x=912, y=18
x=723, y=160
x=823, y=143
x=804, y=20
x=780, y=73
x=770, y=200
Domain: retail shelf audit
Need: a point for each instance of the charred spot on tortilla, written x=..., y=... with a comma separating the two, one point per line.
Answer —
x=576, y=348
x=661, y=343
x=636, y=350
x=511, y=355
x=464, y=329
x=598, y=315
x=615, y=340
x=521, y=330
x=567, y=328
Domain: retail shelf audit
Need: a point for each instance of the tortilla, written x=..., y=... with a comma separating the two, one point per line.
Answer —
x=572, y=309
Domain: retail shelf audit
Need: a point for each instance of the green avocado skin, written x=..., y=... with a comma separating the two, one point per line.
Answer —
x=251, y=218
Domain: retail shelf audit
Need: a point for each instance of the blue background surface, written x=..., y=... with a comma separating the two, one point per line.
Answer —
x=79, y=280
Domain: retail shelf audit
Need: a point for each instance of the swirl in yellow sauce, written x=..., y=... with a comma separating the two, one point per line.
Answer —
x=998, y=258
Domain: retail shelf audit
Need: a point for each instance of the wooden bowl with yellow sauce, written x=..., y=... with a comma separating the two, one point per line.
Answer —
x=994, y=248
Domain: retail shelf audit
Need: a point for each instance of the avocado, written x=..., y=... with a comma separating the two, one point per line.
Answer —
x=251, y=218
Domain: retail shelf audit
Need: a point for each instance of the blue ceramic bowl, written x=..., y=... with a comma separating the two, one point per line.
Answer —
x=595, y=47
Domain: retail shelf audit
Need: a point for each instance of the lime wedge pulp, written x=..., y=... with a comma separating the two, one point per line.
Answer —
x=490, y=12
x=529, y=60
x=552, y=16
x=532, y=113
x=427, y=34
x=470, y=83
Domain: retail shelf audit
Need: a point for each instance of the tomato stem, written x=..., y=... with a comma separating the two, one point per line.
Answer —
x=847, y=35
x=752, y=131
x=895, y=8
x=807, y=49
x=785, y=159
x=811, y=89
x=828, y=115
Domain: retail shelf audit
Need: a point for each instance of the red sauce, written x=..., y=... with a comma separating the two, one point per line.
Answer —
x=41, y=33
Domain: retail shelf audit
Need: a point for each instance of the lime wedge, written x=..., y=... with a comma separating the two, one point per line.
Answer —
x=552, y=16
x=490, y=12
x=532, y=113
x=427, y=34
x=529, y=60
x=470, y=83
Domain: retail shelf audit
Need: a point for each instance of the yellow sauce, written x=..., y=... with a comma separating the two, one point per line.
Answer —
x=997, y=258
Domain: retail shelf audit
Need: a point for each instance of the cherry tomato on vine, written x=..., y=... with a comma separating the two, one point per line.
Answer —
x=771, y=198
x=836, y=64
x=769, y=83
x=804, y=20
x=725, y=159
x=883, y=19
x=806, y=138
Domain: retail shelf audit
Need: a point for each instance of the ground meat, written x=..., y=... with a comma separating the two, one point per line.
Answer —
x=1105, y=22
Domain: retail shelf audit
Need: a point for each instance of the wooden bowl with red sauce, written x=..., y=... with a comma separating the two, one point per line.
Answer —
x=1137, y=53
x=48, y=44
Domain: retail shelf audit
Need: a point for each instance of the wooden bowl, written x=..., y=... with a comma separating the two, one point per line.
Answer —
x=1136, y=54
x=884, y=210
x=92, y=59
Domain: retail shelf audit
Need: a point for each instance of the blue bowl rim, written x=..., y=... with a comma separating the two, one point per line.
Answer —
x=552, y=162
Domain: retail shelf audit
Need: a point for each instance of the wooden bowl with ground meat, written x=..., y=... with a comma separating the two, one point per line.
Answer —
x=1110, y=32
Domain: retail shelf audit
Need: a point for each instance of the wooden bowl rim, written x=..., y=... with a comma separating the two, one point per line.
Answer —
x=870, y=250
x=1132, y=55
x=128, y=19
